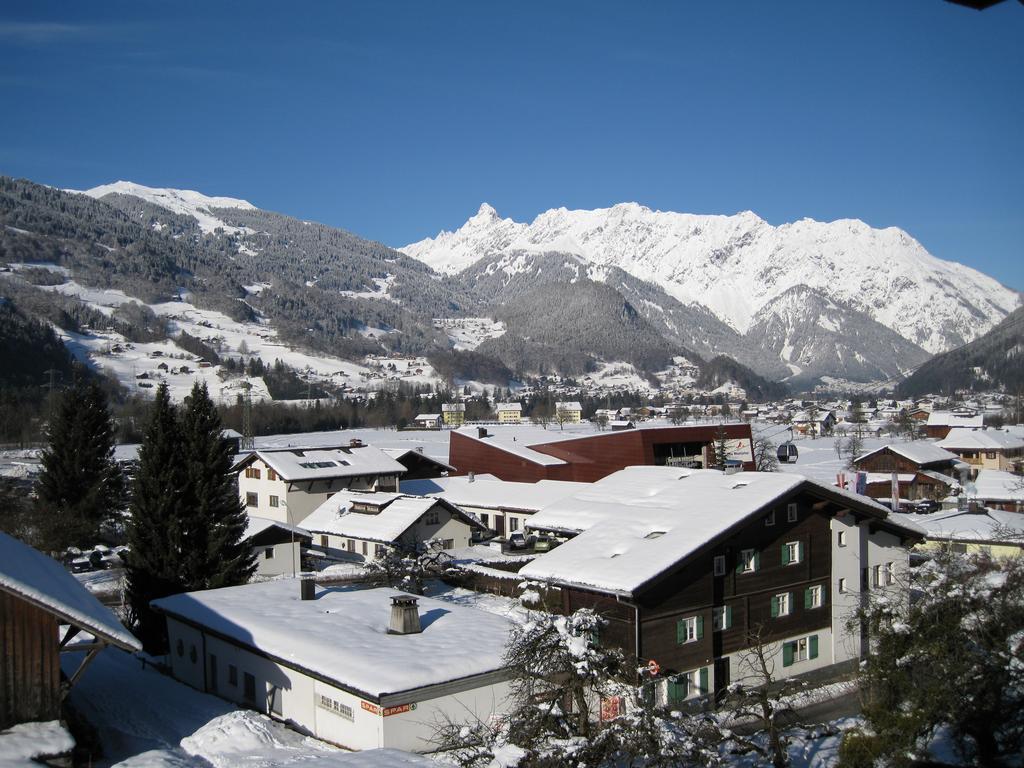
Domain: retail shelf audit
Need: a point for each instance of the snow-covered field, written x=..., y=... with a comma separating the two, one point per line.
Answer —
x=467, y=333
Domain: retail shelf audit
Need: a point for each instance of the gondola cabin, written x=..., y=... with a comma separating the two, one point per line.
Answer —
x=787, y=453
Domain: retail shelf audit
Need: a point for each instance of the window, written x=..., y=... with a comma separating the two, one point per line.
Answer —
x=841, y=538
x=431, y=518
x=232, y=675
x=721, y=618
x=268, y=553
x=958, y=548
x=799, y=650
x=271, y=474
x=379, y=550
x=249, y=688
x=791, y=513
x=252, y=472
x=719, y=562
x=274, y=700
x=485, y=519
x=814, y=597
x=366, y=548
x=447, y=543
x=877, y=579
x=781, y=605
x=351, y=545
x=792, y=553
x=842, y=585
x=690, y=630
x=990, y=454
x=748, y=561
x=513, y=523
x=323, y=540
x=769, y=519
x=252, y=500
x=274, y=501
x=332, y=705
x=681, y=687
x=890, y=574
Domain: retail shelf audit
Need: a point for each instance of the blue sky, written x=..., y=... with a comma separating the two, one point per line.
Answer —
x=396, y=120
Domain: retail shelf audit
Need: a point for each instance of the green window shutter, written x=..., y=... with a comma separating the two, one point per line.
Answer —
x=775, y=607
x=700, y=627
x=824, y=594
x=799, y=551
x=787, y=654
x=812, y=647
x=808, y=598
x=785, y=554
x=757, y=561
x=680, y=631
x=728, y=616
x=739, y=563
x=703, y=680
x=677, y=689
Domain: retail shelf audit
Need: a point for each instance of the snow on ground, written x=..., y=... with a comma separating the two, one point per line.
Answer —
x=49, y=266
x=617, y=376
x=103, y=584
x=381, y=289
x=148, y=719
x=468, y=333
x=816, y=747
x=25, y=741
x=509, y=607
x=818, y=459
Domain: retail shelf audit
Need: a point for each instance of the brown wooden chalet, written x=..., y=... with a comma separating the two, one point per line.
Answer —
x=518, y=458
x=923, y=470
x=42, y=608
x=689, y=569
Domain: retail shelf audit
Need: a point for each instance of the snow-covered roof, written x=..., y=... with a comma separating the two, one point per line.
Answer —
x=257, y=525
x=917, y=451
x=518, y=407
x=399, y=453
x=980, y=440
x=488, y=492
x=569, y=405
x=640, y=521
x=993, y=485
x=872, y=478
x=322, y=463
x=428, y=417
x=397, y=513
x=342, y=633
x=992, y=525
x=42, y=581
x=952, y=419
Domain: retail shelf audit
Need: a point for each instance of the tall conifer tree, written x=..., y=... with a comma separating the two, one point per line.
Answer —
x=216, y=555
x=158, y=528
x=80, y=486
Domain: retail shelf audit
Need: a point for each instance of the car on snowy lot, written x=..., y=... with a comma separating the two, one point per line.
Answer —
x=518, y=540
x=544, y=543
x=926, y=507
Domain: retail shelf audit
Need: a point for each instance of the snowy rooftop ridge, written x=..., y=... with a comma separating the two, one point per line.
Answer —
x=322, y=463
x=42, y=581
x=917, y=451
x=456, y=641
x=963, y=438
x=397, y=512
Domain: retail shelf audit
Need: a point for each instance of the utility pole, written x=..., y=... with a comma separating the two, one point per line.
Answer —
x=248, y=441
x=54, y=373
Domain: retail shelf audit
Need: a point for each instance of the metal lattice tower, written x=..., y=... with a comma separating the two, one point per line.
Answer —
x=248, y=441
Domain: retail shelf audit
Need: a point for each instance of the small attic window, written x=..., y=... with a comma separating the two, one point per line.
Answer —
x=614, y=554
x=741, y=484
x=654, y=535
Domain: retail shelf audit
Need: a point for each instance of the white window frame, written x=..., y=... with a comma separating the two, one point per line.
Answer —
x=842, y=585
x=275, y=501
x=792, y=512
x=719, y=565
x=802, y=650
x=841, y=538
x=793, y=550
x=816, y=596
x=769, y=519
x=785, y=604
x=691, y=629
x=876, y=576
x=719, y=618
x=890, y=574
x=749, y=558
x=513, y=523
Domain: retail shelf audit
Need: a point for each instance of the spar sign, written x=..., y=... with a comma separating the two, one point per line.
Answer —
x=398, y=709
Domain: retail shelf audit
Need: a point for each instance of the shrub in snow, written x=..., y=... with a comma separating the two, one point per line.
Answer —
x=951, y=661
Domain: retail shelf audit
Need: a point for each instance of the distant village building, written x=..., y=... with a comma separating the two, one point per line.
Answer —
x=923, y=471
x=972, y=529
x=985, y=448
x=366, y=526
x=454, y=414
x=278, y=546
x=417, y=464
x=998, y=490
x=939, y=423
x=428, y=421
x=509, y=413
x=363, y=669
x=531, y=455
x=570, y=412
x=287, y=484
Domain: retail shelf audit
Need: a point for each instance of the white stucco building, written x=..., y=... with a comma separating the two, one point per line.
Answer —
x=329, y=663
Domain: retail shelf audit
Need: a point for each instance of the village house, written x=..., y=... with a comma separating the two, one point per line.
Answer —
x=939, y=423
x=287, y=484
x=454, y=414
x=687, y=565
x=923, y=470
x=998, y=490
x=509, y=413
x=570, y=412
x=278, y=546
x=428, y=421
x=38, y=597
x=814, y=424
x=973, y=529
x=503, y=507
x=364, y=669
x=366, y=526
x=528, y=455
x=985, y=448
x=418, y=464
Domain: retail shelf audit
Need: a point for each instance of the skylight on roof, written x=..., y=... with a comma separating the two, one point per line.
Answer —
x=654, y=534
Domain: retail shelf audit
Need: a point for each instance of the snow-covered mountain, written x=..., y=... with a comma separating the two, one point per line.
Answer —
x=182, y=201
x=737, y=266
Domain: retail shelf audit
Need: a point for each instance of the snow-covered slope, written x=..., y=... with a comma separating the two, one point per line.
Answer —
x=182, y=201
x=737, y=265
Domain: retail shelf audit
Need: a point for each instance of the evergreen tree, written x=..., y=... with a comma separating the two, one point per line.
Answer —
x=157, y=532
x=80, y=486
x=214, y=553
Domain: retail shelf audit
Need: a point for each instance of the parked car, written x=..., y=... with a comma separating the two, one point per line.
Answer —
x=518, y=540
x=544, y=543
x=926, y=506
